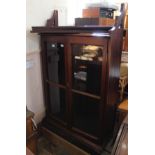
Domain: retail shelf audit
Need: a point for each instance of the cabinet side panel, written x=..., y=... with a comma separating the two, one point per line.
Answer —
x=113, y=74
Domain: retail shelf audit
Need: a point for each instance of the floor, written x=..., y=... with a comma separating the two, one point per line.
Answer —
x=46, y=147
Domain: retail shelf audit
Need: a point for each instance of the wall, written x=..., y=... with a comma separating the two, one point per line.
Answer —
x=37, y=12
x=34, y=91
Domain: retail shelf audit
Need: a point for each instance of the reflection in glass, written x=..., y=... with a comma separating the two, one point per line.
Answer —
x=87, y=66
x=86, y=114
x=57, y=102
x=55, y=62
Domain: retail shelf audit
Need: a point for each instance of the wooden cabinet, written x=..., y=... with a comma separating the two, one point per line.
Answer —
x=80, y=68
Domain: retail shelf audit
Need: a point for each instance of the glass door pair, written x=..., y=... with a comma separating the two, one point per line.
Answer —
x=84, y=86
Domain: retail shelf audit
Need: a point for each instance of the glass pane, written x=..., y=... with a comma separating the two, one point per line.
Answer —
x=86, y=114
x=57, y=102
x=87, y=66
x=56, y=62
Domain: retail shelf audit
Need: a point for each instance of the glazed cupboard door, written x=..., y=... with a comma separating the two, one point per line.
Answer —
x=87, y=86
x=55, y=78
x=56, y=62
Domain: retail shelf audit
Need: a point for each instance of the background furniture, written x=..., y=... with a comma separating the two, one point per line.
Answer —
x=121, y=113
x=96, y=16
x=123, y=81
x=94, y=21
x=31, y=134
x=125, y=38
x=121, y=143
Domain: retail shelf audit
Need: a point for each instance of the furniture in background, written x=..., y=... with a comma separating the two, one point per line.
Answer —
x=100, y=12
x=123, y=81
x=96, y=16
x=125, y=38
x=31, y=133
x=121, y=143
x=94, y=21
x=81, y=67
x=121, y=113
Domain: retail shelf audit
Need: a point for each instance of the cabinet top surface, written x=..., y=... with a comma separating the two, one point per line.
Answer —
x=98, y=31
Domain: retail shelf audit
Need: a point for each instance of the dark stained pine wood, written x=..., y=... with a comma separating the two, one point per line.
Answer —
x=56, y=84
x=86, y=94
x=110, y=39
x=53, y=22
x=69, y=29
